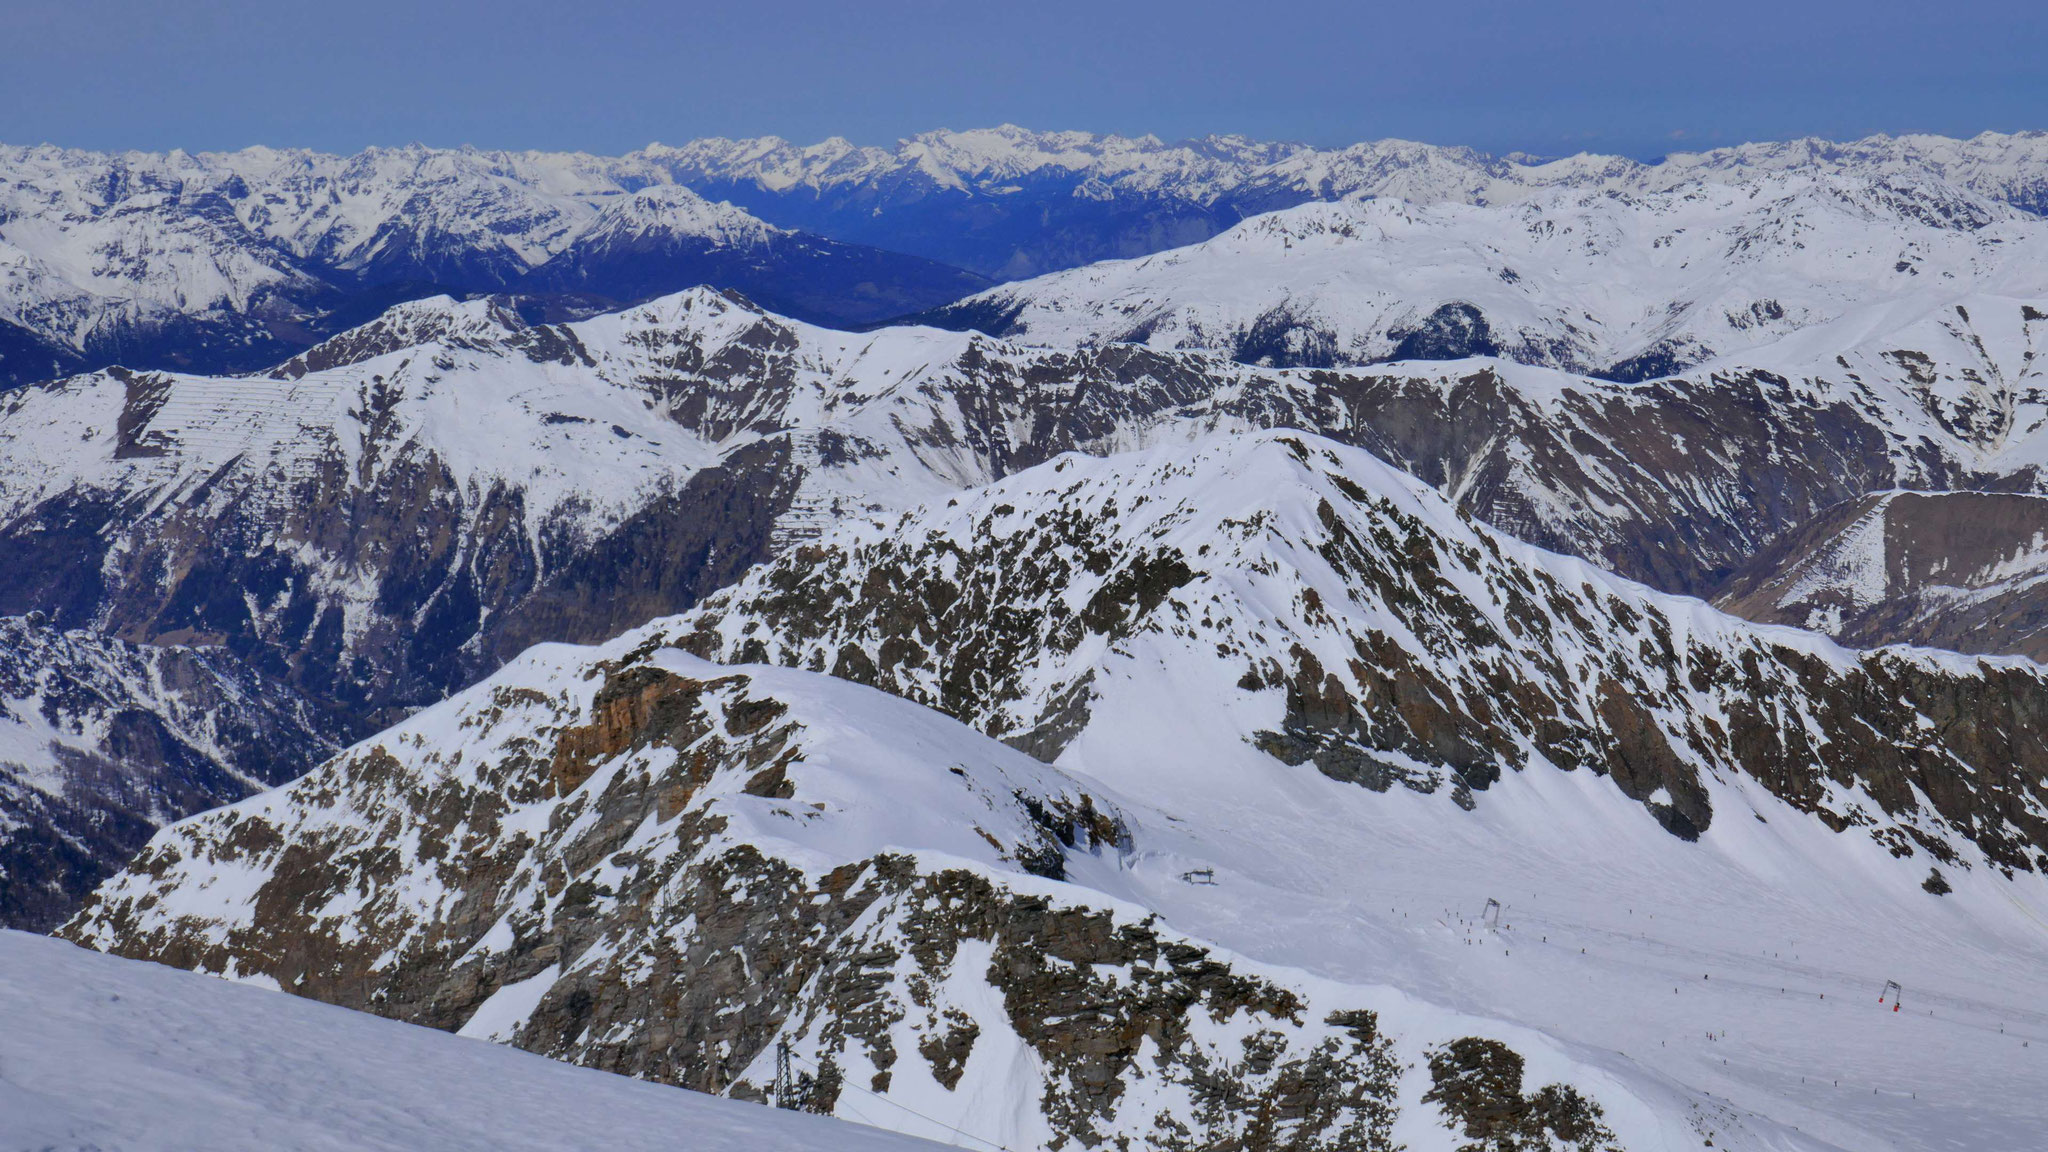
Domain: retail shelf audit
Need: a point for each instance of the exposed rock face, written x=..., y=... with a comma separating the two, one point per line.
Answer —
x=1617, y=474
x=1959, y=570
x=395, y=512
x=102, y=742
x=1336, y=614
x=1478, y=1084
x=640, y=862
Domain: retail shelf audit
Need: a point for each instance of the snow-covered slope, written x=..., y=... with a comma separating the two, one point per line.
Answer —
x=102, y=742
x=112, y=1055
x=396, y=511
x=1011, y=203
x=1622, y=285
x=1308, y=721
x=599, y=854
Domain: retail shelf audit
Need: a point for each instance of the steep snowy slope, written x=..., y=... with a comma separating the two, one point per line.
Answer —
x=1308, y=722
x=102, y=742
x=1620, y=285
x=99, y=1053
x=599, y=855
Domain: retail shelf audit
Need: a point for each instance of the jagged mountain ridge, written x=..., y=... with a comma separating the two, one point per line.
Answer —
x=552, y=461
x=604, y=848
x=229, y=261
x=1317, y=605
x=233, y=262
x=1622, y=285
x=589, y=822
x=102, y=742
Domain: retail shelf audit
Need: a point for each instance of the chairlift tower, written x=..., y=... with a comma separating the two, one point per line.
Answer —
x=785, y=1083
x=1893, y=992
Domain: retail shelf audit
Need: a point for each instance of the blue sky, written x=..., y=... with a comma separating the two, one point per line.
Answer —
x=611, y=75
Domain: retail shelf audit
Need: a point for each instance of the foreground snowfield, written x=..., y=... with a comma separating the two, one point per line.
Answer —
x=122, y=1056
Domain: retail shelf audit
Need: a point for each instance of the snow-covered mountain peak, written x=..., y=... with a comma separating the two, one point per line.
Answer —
x=671, y=210
x=1304, y=600
x=1612, y=281
x=596, y=853
x=1308, y=720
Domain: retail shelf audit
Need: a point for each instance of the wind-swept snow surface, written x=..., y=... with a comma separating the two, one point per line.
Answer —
x=111, y=1055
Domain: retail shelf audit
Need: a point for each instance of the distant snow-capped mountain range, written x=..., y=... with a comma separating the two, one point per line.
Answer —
x=234, y=262
x=1010, y=203
x=231, y=261
x=1627, y=285
x=1097, y=716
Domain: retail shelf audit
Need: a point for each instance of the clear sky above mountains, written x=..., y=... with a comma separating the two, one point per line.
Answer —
x=611, y=75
